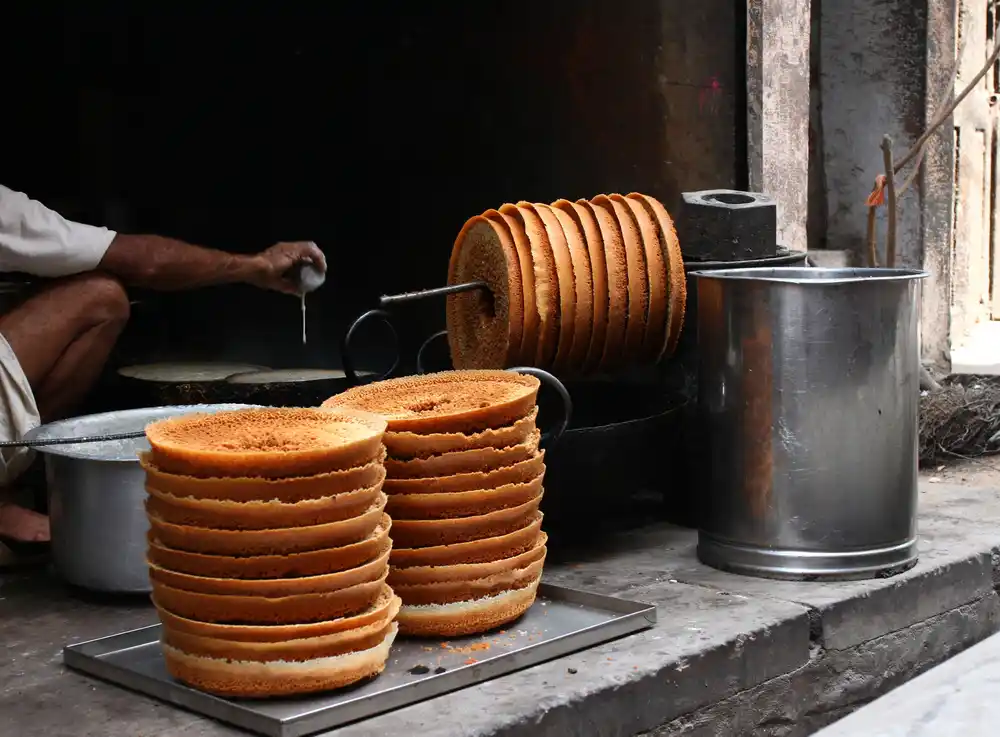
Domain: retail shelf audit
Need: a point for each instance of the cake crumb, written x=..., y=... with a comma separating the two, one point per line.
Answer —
x=465, y=649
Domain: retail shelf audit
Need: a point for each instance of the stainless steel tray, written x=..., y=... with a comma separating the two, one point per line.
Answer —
x=562, y=621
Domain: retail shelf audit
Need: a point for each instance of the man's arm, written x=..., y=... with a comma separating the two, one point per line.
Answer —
x=166, y=264
x=39, y=241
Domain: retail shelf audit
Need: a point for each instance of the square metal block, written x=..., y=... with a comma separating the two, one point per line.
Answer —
x=728, y=225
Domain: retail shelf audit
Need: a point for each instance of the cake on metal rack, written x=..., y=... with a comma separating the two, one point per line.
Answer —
x=581, y=287
x=464, y=480
x=269, y=549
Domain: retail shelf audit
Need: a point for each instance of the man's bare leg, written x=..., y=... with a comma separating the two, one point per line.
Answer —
x=62, y=338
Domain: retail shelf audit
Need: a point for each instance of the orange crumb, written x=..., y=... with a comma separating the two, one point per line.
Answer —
x=476, y=646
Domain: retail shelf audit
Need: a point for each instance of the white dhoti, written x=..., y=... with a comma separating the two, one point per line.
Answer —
x=18, y=415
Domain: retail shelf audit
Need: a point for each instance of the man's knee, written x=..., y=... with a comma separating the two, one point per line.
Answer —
x=105, y=297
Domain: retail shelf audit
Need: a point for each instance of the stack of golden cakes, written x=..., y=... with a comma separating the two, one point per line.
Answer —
x=584, y=287
x=269, y=549
x=464, y=480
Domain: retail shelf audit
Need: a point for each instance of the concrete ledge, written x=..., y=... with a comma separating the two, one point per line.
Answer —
x=955, y=568
x=834, y=684
x=729, y=655
x=706, y=646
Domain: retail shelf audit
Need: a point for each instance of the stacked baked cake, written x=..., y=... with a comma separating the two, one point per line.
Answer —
x=581, y=287
x=269, y=548
x=464, y=482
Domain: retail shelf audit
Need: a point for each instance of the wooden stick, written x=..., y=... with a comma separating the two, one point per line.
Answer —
x=945, y=96
x=943, y=114
x=872, y=245
x=890, y=202
x=927, y=380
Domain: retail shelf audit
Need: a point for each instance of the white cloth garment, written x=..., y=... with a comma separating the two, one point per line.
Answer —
x=38, y=241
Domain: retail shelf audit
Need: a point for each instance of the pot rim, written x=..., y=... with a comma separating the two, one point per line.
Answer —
x=813, y=275
x=142, y=416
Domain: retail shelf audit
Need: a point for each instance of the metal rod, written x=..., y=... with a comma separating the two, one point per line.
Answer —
x=391, y=299
x=72, y=441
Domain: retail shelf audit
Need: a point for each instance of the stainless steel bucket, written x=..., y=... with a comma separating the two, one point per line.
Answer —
x=96, y=495
x=808, y=390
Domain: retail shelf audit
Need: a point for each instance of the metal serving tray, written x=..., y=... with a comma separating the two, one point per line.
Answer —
x=562, y=621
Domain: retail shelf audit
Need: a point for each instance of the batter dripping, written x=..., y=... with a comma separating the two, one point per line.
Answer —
x=303, y=296
x=310, y=279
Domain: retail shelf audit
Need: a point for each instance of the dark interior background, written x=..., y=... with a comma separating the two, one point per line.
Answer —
x=374, y=129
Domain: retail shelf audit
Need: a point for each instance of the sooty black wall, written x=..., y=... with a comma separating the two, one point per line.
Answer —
x=374, y=129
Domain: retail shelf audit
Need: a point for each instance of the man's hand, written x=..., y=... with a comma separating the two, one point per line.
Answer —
x=274, y=265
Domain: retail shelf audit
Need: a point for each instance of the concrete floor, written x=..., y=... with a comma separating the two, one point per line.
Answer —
x=972, y=472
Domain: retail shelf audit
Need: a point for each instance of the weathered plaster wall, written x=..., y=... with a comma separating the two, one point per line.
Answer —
x=778, y=34
x=871, y=82
x=882, y=66
x=936, y=193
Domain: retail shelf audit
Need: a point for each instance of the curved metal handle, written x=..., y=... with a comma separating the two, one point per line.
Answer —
x=423, y=347
x=557, y=430
x=345, y=346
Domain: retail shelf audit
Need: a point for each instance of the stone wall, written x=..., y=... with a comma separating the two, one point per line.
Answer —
x=880, y=67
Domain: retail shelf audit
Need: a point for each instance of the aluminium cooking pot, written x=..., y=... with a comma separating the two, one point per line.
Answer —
x=96, y=495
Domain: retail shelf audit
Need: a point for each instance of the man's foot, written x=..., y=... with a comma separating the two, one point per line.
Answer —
x=20, y=525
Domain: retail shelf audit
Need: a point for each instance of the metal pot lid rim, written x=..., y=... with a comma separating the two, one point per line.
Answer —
x=105, y=423
x=784, y=257
x=291, y=376
x=198, y=371
x=812, y=275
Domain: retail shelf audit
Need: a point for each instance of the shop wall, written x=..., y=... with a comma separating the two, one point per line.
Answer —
x=871, y=62
x=373, y=129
